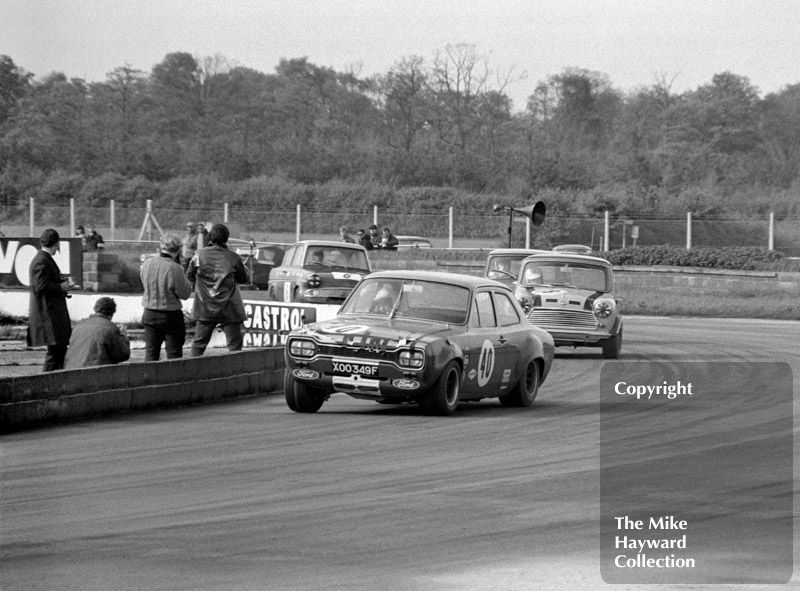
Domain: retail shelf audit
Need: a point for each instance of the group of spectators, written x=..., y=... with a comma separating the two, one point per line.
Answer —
x=202, y=265
x=374, y=240
x=91, y=241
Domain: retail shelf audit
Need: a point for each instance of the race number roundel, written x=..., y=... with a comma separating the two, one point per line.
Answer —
x=485, y=363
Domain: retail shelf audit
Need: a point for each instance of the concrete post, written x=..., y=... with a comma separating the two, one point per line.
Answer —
x=688, y=230
x=450, y=230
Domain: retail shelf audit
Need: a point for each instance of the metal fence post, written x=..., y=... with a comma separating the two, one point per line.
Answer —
x=688, y=230
x=450, y=230
x=113, y=217
x=606, y=240
x=32, y=213
x=72, y=216
x=375, y=214
x=297, y=224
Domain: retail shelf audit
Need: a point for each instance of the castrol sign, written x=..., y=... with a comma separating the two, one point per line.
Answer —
x=16, y=255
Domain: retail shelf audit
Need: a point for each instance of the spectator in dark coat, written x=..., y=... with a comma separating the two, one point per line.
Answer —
x=364, y=240
x=374, y=236
x=94, y=241
x=388, y=240
x=216, y=271
x=97, y=340
x=48, y=317
x=202, y=235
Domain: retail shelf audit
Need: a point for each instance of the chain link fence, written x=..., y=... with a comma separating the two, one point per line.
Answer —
x=453, y=228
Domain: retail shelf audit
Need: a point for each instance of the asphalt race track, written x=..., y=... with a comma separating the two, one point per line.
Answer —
x=248, y=495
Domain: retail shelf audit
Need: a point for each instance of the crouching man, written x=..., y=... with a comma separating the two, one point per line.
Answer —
x=96, y=340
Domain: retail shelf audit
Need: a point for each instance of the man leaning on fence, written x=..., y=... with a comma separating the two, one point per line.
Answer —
x=216, y=271
x=165, y=286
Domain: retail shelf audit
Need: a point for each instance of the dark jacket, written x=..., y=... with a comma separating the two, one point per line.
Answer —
x=48, y=317
x=215, y=271
x=366, y=242
x=96, y=341
x=388, y=243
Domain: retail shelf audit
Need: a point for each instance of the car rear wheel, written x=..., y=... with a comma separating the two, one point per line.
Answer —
x=524, y=393
x=613, y=346
x=442, y=400
x=300, y=397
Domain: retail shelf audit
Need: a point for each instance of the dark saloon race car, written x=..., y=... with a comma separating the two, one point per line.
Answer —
x=318, y=272
x=427, y=338
x=571, y=297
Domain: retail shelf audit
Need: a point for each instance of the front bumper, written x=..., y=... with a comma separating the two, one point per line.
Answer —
x=357, y=378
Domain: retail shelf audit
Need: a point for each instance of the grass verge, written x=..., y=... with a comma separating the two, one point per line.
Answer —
x=710, y=303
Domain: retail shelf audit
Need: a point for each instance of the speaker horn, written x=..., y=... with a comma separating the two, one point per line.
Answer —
x=536, y=212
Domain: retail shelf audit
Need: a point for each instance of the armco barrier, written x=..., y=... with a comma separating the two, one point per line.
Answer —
x=67, y=395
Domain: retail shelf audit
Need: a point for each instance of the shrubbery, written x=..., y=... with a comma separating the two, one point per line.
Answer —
x=740, y=258
x=744, y=258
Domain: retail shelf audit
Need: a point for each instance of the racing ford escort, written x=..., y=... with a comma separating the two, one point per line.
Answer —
x=426, y=338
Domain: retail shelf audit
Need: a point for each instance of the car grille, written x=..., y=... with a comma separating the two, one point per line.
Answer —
x=356, y=353
x=335, y=293
x=574, y=319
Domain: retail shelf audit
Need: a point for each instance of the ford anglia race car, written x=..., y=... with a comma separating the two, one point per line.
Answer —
x=571, y=297
x=428, y=338
x=318, y=272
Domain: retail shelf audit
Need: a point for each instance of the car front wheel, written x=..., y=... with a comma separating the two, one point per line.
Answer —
x=300, y=397
x=442, y=400
x=524, y=393
x=613, y=346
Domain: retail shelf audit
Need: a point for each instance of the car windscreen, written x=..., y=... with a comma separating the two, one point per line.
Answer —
x=504, y=267
x=333, y=257
x=578, y=275
x=405, y=298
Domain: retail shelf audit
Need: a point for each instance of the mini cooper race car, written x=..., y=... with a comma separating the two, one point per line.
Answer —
x=433, y=339
x=570, y=296
x=319, y=272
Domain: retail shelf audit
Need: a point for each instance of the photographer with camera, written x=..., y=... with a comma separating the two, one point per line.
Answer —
x=49, y=322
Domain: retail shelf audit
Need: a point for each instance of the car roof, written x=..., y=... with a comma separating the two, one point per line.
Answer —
x=517, y=251
x=469, y=281
x=331, y=243
x=566, y=256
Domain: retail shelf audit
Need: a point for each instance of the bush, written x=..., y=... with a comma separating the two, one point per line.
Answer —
x=743, y=258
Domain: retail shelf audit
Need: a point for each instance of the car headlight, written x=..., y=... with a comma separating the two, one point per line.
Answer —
x=604, y=308
x=302, y=348
x=413, y=359
x=525, y=300
x=314, y=281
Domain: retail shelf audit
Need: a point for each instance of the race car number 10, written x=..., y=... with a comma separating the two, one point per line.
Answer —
x=355, y=368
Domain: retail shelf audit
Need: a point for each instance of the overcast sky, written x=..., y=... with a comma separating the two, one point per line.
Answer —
x=634, y=42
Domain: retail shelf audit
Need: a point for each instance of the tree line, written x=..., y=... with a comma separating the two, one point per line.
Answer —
x=192, y=130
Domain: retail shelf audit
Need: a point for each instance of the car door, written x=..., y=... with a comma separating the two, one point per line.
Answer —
x=486, y=350
x=511, y=326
